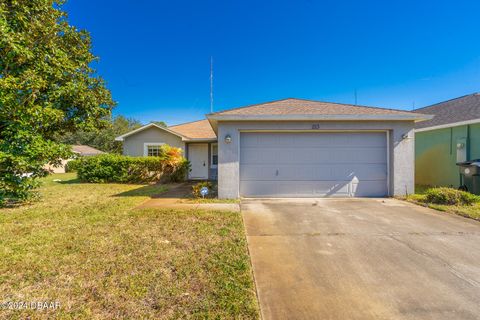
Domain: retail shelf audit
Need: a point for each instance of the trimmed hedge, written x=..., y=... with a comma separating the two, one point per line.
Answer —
x=450, y=196
x=170, y=166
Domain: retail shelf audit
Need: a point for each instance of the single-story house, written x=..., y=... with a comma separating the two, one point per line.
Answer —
x=79, y=151
x=452, y=136
x=294, y=148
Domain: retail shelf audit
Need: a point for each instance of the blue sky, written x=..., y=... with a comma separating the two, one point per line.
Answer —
x=155, y=55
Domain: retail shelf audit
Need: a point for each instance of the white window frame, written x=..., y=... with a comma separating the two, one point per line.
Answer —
x=213, y=166
x=147, y=144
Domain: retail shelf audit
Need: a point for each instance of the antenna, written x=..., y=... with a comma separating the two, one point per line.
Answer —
x=413, y=105
x=211, y=84
x=355, y=96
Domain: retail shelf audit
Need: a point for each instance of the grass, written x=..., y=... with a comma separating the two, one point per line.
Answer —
x=85, y=246
x=468, y=211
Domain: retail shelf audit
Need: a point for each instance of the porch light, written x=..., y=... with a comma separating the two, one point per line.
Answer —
x=228, y=138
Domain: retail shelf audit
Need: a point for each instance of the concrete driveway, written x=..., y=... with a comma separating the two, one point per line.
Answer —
x=362, y=259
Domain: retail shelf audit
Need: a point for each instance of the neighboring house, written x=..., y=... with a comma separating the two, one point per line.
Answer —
x=294, y=148
x=79, y=151
x=452, y=136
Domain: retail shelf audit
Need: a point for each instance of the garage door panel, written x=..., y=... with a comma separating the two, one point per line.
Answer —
x=355, y=155
x=359, y=172
x=258, y=172
x=309, y=155
x=293, y=189
x=313, y=164
x=369, y=188
x=313, y=172
x=313, y=189
x=367, y=139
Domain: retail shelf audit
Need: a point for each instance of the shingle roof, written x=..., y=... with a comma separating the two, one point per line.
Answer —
x=456, y=110
x=195, y=130
x=293, y=106
x=85, y=150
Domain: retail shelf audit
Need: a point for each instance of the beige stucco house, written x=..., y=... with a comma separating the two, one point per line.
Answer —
x=78, y=150
x=294, y=148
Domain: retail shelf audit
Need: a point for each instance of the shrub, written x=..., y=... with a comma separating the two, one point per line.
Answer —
x=450, y=196
x=180, y=172
x=71, y=166
x=211, y=189
x=169, y=166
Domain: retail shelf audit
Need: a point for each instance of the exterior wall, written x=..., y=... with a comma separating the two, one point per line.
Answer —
x=401, y=150
x=59, y=169
x=474, y=143
x=134, y=145
x=436, y=154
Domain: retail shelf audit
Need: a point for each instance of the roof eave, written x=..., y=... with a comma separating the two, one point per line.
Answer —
x=123, y=136
x=449, y=125
x=201, y=140
x=314, y=117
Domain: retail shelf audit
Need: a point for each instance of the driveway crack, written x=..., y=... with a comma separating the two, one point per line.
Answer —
x=451, y=268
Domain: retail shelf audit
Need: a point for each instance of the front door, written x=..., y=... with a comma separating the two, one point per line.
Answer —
x=198, y=157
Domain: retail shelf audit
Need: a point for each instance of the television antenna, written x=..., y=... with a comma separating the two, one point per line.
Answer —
x=211, y=84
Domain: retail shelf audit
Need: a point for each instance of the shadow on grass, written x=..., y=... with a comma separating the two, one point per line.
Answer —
x=70, y=181
x=151, y=191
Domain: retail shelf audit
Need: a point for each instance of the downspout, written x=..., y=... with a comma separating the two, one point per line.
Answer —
x=451, y=140
x=468, y=142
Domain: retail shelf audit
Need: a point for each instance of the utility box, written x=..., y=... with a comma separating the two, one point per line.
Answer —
x=461, y=150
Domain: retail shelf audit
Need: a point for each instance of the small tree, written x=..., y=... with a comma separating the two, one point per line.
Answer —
x=47, y=87
x=103, y=139
x=160, y=123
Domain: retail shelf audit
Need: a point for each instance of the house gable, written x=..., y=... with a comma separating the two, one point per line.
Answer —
x=134, y=144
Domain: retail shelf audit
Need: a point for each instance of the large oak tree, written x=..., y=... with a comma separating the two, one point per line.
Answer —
x=47, y=87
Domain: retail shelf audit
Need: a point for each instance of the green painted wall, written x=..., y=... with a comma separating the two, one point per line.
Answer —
x=475, y=141
x=436, y=154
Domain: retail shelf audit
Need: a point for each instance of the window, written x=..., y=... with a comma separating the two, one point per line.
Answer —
x=152, y=149
x=214, y=159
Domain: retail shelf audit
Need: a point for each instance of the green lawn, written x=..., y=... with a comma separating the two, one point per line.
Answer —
x=85, y=246
x=468, y=211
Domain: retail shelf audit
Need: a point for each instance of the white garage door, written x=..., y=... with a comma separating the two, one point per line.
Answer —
x=313, y=164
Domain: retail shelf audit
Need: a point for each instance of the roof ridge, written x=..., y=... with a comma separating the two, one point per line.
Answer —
x=310, y=100
x=453, y=99
x=356, y=105
x=250, y=105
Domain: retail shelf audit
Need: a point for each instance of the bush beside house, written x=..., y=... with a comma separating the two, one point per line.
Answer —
x=71, y=166
x=169, y=166
x=449, y=200
x=450, y=196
